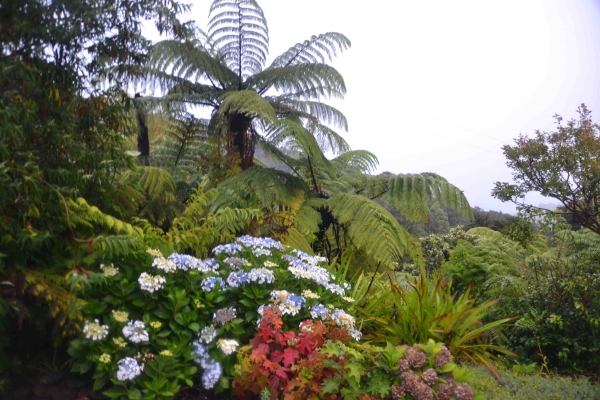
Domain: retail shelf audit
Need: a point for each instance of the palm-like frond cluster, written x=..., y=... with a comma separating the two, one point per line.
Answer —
x=310, y=201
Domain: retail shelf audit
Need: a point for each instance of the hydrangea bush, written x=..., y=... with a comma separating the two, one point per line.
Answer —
x=176, y=319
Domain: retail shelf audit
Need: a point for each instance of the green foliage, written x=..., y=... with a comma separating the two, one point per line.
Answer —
x=225, y=70
x=194, y=298
x=559, y=307
x=534, y=387
x=561, y=164
x=420, y=308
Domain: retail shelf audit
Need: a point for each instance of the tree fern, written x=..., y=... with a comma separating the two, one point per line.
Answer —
x=225, y=71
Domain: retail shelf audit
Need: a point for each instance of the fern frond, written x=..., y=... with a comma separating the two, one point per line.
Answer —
x=303, y=81
x=89, y=216
x=171, y=61
x=297, y=240
x=412, y=194
x=360, y=161
x=372, y=229
x=318, y=49
x=157, y=182
x=247, y=102
x=239, y=28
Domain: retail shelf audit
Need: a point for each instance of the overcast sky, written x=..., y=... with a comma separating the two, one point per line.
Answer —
x=439, y=86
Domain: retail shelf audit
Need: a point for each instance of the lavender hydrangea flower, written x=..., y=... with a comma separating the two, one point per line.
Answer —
x=128, y=369
x=136, y=332
x=319, y=311
x=212, y=264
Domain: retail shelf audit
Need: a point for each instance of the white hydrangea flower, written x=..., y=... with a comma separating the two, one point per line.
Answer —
x=136, y=332
x=208, y=333
x=95, y=331
x=310, y=295
x=109, y=270
x=227, y=346
x=151, y=283
x=128, y=369
x=164, y=264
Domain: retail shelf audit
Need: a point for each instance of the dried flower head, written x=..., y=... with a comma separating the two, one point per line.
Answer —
x=224, y=315
x=429, y=376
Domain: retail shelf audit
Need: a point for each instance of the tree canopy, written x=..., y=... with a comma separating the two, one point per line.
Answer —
x=562, y=164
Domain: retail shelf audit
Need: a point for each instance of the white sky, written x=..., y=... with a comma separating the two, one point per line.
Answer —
x=439, y=86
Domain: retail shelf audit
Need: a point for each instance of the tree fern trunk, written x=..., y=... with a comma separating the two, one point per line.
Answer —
x=243, y=140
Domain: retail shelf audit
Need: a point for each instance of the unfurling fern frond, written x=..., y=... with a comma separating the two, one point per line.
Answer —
x=372, y=229
x=318, y=49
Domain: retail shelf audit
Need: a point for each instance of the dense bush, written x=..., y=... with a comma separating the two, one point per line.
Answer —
x=533, y=387
x=322, y=362
x=410, y=310
x=155, y=322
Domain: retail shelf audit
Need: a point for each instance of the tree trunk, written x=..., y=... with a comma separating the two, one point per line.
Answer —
x=243, y=139
x=143, y=142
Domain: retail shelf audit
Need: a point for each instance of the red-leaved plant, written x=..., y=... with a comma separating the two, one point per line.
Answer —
x=285, y=363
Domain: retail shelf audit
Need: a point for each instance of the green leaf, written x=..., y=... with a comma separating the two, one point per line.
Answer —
x=330, y=385
x=194, y=327
x=134, y=394
x=115, y=392
x=355, y=370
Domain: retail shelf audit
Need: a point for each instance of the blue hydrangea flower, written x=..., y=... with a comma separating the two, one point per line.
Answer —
x=208, y=284
x=128, y=369
x=211, y=263
x=319, y=311
x=264, y=243
x=261, y=275
x=212, y=369
x=230, y=249
x=186, y=262
x=237, y=278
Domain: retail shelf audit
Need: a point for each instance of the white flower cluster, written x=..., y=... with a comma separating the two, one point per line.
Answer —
x=136, y=332
x=109, y=270
x=212, y=369
x=95, y=331
x=128, y=369
x=164, y=264
x=227, y=346
x=208, y=333
x=306, y=267
x=151, y=283
x=261, y=275
x=310, y=295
